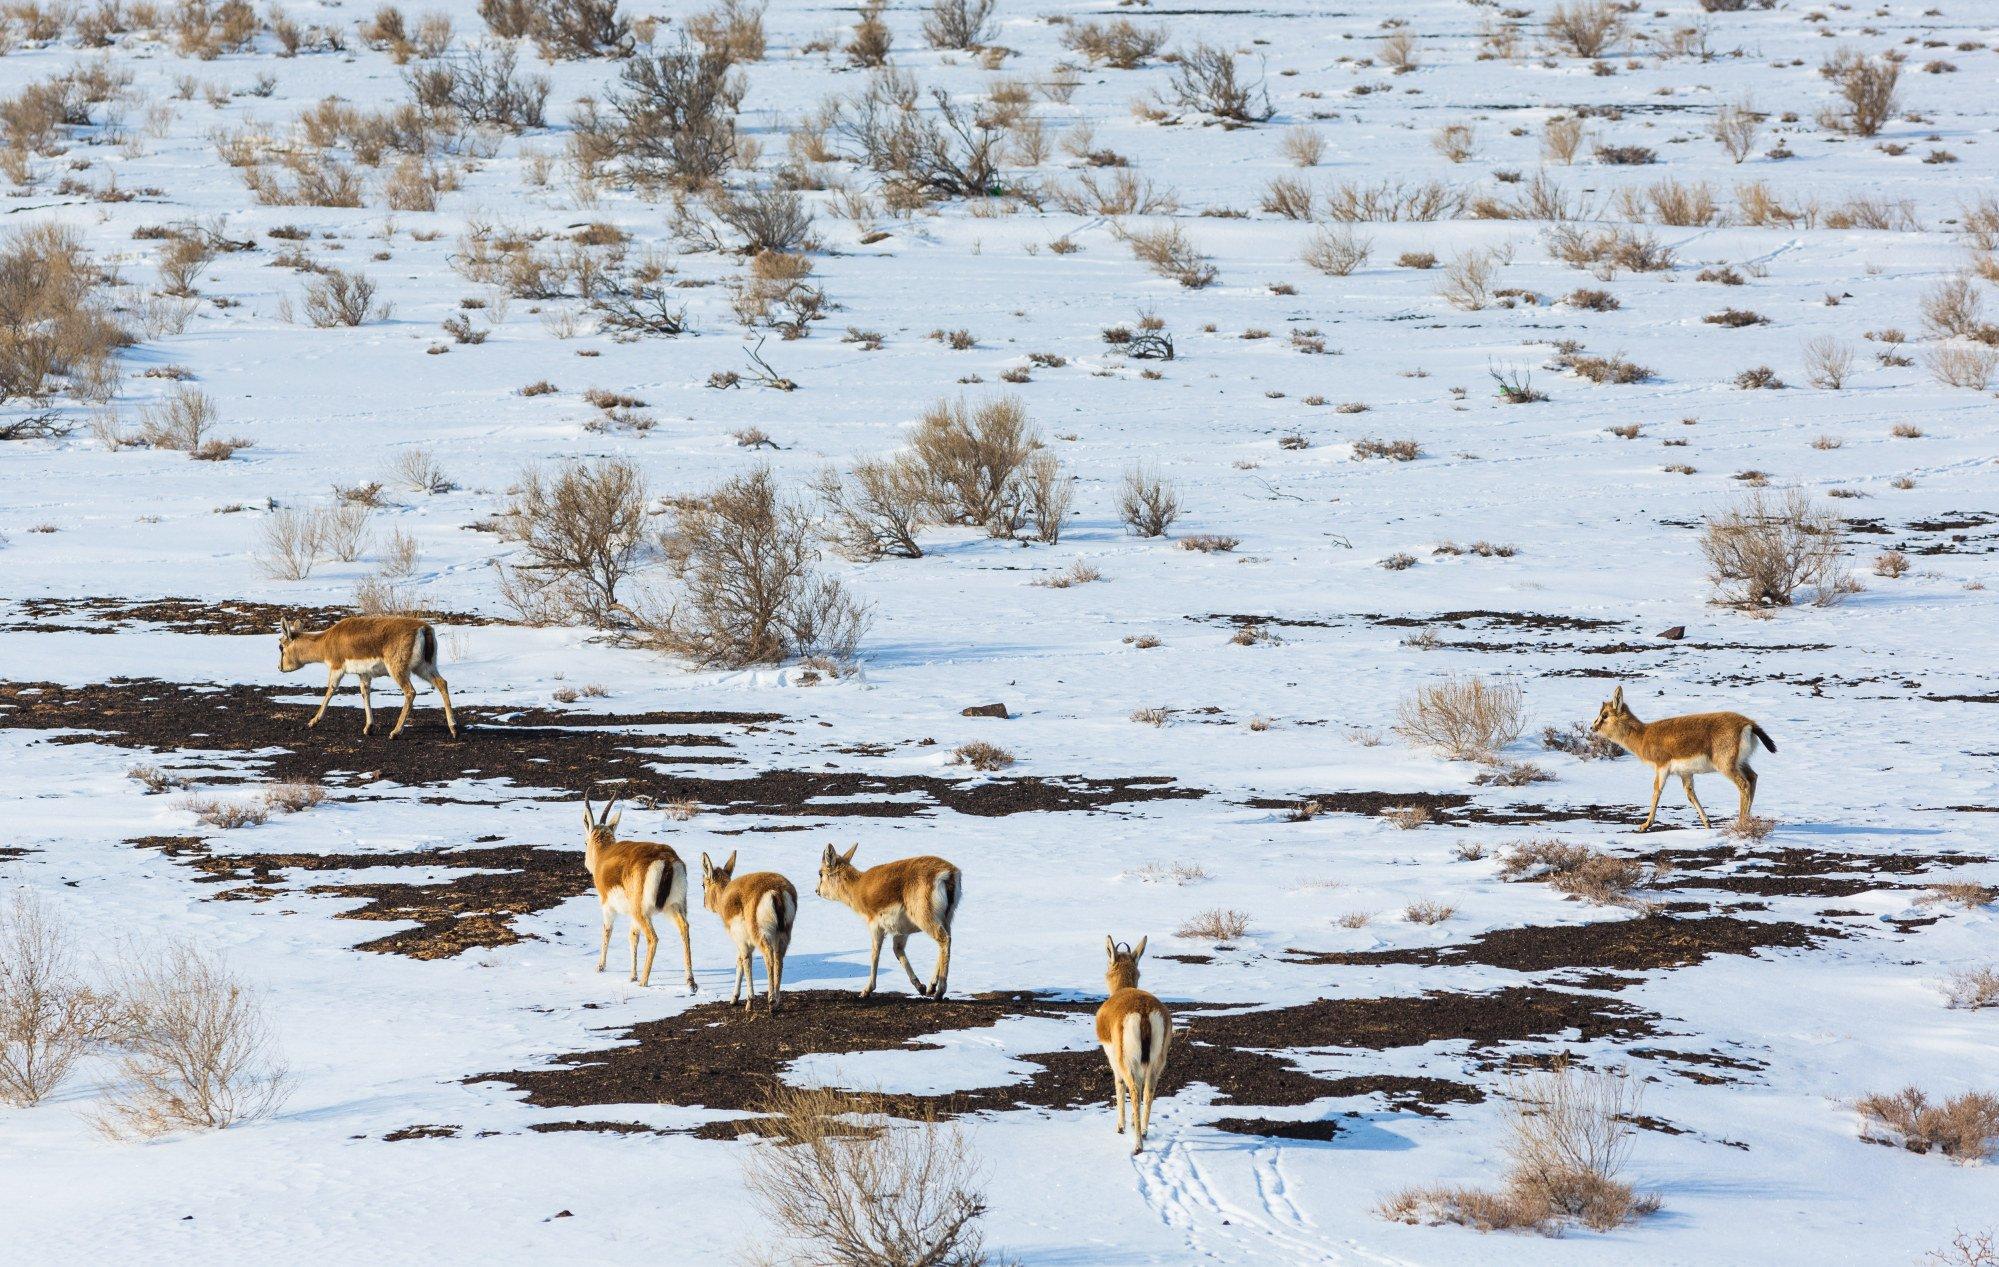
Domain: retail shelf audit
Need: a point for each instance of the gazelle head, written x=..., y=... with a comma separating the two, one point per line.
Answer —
x=1123, y=970
x=288, y=656
x=835, y=870
x=600, y=829
x=714, y=880
x=1612, y=717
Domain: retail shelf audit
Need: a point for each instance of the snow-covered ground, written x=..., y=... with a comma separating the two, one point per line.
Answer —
x=1882, y=706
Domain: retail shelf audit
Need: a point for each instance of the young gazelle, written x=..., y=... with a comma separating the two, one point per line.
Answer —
x=635, y=878
x=1135, y=1030
x=1698, y=743
x=369, y=647
x=910, y=895
x=758, y=909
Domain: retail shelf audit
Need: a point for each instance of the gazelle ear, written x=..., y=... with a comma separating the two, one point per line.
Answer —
x=1110, y=948
x=730, y=865
x=707, y=867
x=827, y=855
x=611, y=823
x=849, y=855
x=1139, y=952
x=1617, y=697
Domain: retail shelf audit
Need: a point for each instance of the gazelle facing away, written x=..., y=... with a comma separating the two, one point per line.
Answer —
x=1698, y=743
x=1135, y=1030
x=369, y=647
x=758, y=909
x=910, y=895
x=635, y=878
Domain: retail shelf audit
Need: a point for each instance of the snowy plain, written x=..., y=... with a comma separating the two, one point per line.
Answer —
x=1881, y=705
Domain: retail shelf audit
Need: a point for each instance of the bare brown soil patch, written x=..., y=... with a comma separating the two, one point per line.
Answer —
x=190, y=615
x=1627, y=945
x=1456, y=809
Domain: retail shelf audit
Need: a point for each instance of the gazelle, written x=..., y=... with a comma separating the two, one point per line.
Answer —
x=1698, y=743
x=1135, y=1030
x=369, y=647
x=758, y=909
x=910, y=895
x=635, y=878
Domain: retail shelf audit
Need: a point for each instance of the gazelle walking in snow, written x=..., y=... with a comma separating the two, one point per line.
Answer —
x=1697, y=743
x=636, y=879
x=897, y=899
x=758, y=909
x=369, y=647
x=1135, y=1030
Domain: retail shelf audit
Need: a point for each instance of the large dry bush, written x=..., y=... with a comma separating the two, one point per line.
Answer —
x=1765, y=552
x=197, y=1051
x=1585, y=28
x=876, y=509
x=55, y=334
x=1465, y=718
x=337, y=297
x=1964, y=1127
x=1336, y=252
x=672, y=121
x=750, y=588
x=482, y=85
x=1147, y=503
x=976, y=460
x=1204, y=79
x=581, y=28
x=1118, y=43
x=965, y=24
x=1866, y=87
x=845, y=1183
x=951, y=151
x=48, y=1017
x=180, y=420
x=583, y=532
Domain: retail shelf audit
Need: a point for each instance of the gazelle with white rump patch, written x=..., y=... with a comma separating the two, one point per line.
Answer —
x=758, y=909
x=1135, y=1029
x=1697, y=743
x=636, y=879
x=897, y=899
x=396, y=647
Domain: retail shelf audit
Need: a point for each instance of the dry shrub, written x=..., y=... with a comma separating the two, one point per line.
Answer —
x=48, y=1017
x=1118, y=193
x=1607, y=252
x=751, y=592
x=672, y=122
x=225, y=815
x=1972, y=988
x=1828, y=362
x=981, y=755
x=292, y=544
x=871, y=41
x=1684, y=205
x=1168, y=252
x=1512, y=774
x=1218, y=925
x=1407, y=817
x=583, y=532
x=1962, y=365
x=1468, y=279
x=1585, y=28
x=1455, y=141
x=1960, y=893
x=953, y=151
x=1963, y=1128
x=1397, y=51
x=1288, y=196
x=1147, y=504
x=198, y=1054
x=1348, y=202
x=1465, y=718
x=1304, y=146
x=976, y=461
x=1077, y=573
x=180, y=421
x=1866, y=92
x=54, y=332
x=963, y=24
x=876, y=509
x=1336, y=252
x=1210, y=543
x=1428, y=912
x=1118, y=43
x=1391, y=450
x=1763, y=552
x=1581, y=743
x=290, y=798
x=1562, y=138
x=733, y=27
x=1204, y=79
x=339, y=298
x=417, y=470
x=1736, y=127
x=844, y=1183
x=574, y=29
x=1891, y=564
x=1152, y=715
x=1574, y=869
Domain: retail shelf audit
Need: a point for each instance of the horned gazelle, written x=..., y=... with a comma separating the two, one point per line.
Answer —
x=1135, y=1030
x=1698, y=743
x=369, y=647
x=910, y=895
x=635, y=878
x=758, y=909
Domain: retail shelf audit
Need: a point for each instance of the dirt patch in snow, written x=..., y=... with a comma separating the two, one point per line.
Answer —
x=1453, y=809
x=190, y=616
x=1622, y=945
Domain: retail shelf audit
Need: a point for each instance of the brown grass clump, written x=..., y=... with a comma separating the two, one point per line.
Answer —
x=1428, y=912
x=1766, y=553
x=1118, y=43
x=1468, y=719
x=1219, y=926
x=1574, y=869
x=1391, y=450
x=226, y=815
x=290, y=798
x=48, y=1017
x=1963, y=893
x=841, y=1179
x=1407, y=817
x=1569, y=1140
x=1963, y=1128
x=981, y=755
x=1168, y=252
x=1972, y=988
x=198, y=1054
x=1891, y=564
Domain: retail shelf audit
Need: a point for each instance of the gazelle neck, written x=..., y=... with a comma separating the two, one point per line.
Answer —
x=1122, y=976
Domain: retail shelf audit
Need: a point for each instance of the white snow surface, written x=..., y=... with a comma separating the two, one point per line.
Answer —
x=1876, y=756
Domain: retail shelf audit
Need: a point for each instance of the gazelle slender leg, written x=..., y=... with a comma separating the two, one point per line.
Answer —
x=742, y=970
x=444, y=693
x=632, y=930
x=333, y=677
x=943, y=972
x=875, y=936
x=409, y=700
x=1687, y=781
x=774, y=972
x=1144, y=1110
x=1117, y=1088
x=367, y=704
x=686, y=946
x=1658, y=782
x=604, y=950
x=1745, y=783
x=652, y=949
x=902, y=957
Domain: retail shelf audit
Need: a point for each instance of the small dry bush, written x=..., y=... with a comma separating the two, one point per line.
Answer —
x=290, y=798
x=1828, y=362
x=1455, y=141
x=977, y=462
x=1428, y=912
x=961, y=24
x=1407, y=817
x=1304, y=146
x=1953, y=307
x=1765, y=552
x=1204, y=79
x=1466, y=718
x=1962, y=893
x=1390, y=450
x=1077, y=573
x=1336, y=252
x=1218, y=925
x=1962, y=365
x=1581, y=743
x=49, y=1018
x=198, y=1053
x=1562, y=138
x=583, y=532
x=339, y=298
x=417, y=470
x=1585, y=28
x=1972, y=988
x=1118, y=43
x=180, y=421
x=1147, y=504
x=1891, y=564
x=1210, y=543
x=1963, y=1128
x=1573, y=869
x=1866, y=87
x=225, y=815
x=981, y=755
x=1168, y=252
x=844, y=1182
x=750, y=587
x=1468, y=279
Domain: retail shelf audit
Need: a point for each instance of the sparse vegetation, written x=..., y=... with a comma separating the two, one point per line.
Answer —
x=1964, y=1127
x=1766, y=552
x=1219, y=925
x=1465, y=718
